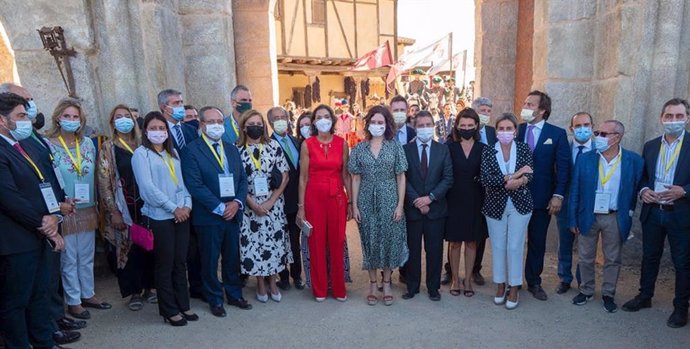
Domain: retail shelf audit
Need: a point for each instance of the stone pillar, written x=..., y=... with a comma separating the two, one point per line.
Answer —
x=255, y=50
x=523, y=56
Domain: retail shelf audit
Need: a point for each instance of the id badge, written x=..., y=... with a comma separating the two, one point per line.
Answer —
x=227, y=185
x=261, y=186
x=661, y=187
x=61, y=180
x=49, y=197
x=601, y=202
x=81, y=193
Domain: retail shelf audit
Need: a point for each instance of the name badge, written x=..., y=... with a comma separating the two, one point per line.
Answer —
x=81, y=192
x=261, y=186
x=601, y=202
x=49, y=197
x=227, y=185
x=660, y=187
x=58, y=174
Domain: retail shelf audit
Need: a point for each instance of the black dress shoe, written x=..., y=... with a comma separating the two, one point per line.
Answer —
x=84, y=315
x=66, y=337
x=446, y=279
x=434, y=296
x=299, y=284
x=67, y=324
x=190, y=317
x=637, y=303
x=678, y=318
x=283, y=285
x=101, y=305
x=478, y=279
x=408, y=295
x=562, y=288
x=538, y=292
x=176, y=323
x=218, y=310
x=240, y=303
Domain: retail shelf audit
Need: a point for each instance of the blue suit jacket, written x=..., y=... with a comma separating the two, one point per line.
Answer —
x=551, y=164
x=584, y=186
x=188, y=132
x=200, y=171
x=230, y=136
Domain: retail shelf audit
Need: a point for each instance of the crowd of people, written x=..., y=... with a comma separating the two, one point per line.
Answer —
x=177, y=191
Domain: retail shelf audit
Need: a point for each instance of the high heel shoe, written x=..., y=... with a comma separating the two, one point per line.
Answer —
x=510, y=305
x=387, y=298
x=371, y=298
x=502, y=299
x=190, y=317
x=262, y=299
x=276, y=297
x=175, y=323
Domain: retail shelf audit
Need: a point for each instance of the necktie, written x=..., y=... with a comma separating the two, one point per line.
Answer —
x=288, y=151
x=579, y=151
x=424, y=161
x=179, y=136
x=216, y=146
x=530, y=137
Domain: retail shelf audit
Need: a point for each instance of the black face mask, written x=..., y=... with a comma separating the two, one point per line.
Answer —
x=466, y=134
x=193, y=123
x=255, y=132
x=40, y=121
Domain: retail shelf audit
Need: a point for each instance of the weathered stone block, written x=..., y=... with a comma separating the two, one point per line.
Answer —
x=569, y=10
x=570, y=51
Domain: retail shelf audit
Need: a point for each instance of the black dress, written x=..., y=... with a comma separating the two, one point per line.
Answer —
x=465, y=221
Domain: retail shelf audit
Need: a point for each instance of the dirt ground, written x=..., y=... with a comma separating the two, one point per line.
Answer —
x=299, y=322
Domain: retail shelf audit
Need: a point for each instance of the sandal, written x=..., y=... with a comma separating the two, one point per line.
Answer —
x=467, y=292
x=371, y=298
x=387, y=299
x=135, y=303
x=151, y=297
x=455, y=292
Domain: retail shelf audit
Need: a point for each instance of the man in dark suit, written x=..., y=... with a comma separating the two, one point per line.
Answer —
x=601, y=201
x=549, y=146
x=213, y=174
x=29, y=215
x=666, y=210
x=279, y=119
x=240, y=101
x=403, y=134
x=429, y=177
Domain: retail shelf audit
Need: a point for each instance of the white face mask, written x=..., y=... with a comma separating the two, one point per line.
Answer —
x=323, y=125
x=399, y=117
x=377, y=130
x=425, y=134
x=280, y=126
x=305, y=131
x=215, y=131
x=484, y=119
x=527, y=115
x=157, y=137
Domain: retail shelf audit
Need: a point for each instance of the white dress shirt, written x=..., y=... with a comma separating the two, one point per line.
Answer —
x=613, y=185
x=401, y=135
x=428, y=150
x=661, y=175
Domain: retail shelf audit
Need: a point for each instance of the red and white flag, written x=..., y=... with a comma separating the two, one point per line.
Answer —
x=435, y=53
x=377, y=58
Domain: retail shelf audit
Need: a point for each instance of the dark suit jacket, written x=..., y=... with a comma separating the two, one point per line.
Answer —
x=200, y=171
x=681, y=177
x=411, y=133
x=292, y=187
x=41, y=154
x=551, y=163
x=490, y=135
x=21, y=204
x=584, y=185
x=438, y=180
x=189, y=133
x=492, y=177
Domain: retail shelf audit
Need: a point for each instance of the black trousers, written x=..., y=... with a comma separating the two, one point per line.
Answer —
x=24, y=285
x=194, y=263
x=431, y=231
x=296, y=266
x=137, y=275
x=171, y=241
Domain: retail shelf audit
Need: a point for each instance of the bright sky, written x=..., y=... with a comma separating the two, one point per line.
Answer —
x=428, y=20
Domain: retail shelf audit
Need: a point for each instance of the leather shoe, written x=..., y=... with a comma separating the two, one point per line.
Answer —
x=67, y=324
x=408, y=295
x=562, y=288
x=678, y=318
x=240, y=303
x=66, y=337
x=538, y=292
x=218, y=310
x=101, y=305
x=299, y=284
x=434, y=296
x=283, y=285
x=84, y=315
x=446, y=279
x=478, y=279
x=637, y=303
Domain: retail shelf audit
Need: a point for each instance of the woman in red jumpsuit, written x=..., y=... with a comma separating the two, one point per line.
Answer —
x=323, y=202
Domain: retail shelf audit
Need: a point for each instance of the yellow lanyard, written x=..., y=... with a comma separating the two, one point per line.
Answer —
x=219, y=158
x=674, y=156
x=33, y=164
x=257, y=162
x=77, y=162
x=169, y=164
x=124, y=144
x=607, y=178
x=234, y=127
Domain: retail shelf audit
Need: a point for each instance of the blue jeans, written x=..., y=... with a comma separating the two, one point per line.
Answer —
x=566, y=240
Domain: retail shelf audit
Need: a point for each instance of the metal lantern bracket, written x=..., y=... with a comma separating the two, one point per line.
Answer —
x=54, y=42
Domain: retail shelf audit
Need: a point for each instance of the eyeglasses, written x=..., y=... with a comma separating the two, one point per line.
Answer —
x=604, y=134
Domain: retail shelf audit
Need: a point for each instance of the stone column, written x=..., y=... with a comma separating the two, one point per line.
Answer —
x=255, y=50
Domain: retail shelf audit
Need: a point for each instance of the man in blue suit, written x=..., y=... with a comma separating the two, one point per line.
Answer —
x=549, y=145
x=213, y=174
x=172, y=107
x=603, y=196
x=241, y=101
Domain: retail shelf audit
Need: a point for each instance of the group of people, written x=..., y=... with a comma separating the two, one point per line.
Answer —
x=177, y=197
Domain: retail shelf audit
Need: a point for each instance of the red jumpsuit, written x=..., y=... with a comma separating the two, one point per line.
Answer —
x=325, y=206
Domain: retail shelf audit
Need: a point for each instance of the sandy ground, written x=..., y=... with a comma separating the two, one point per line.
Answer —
x=454, y=322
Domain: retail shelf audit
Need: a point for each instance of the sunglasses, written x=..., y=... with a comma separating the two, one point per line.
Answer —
x=604, y=134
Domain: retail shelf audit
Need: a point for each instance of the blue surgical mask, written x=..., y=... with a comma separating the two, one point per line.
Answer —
x=22, y=130
x=70, y=125
x=32, y=111
x=178, y=113
x=674, y=128
x=124, y=125
x=601, y=144
x=583, y=134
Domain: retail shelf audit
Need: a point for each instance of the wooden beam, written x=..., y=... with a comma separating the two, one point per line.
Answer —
x=395, y=30
x=354, y=12
x=292, y=27
x=325, y=25
x=342, y=30
x=304, y=20
x=378, y=23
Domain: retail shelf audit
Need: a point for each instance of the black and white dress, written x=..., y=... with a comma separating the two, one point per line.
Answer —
x=264, y=241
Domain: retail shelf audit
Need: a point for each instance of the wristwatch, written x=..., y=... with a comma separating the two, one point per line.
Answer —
x=59, y=217
x=432, y=197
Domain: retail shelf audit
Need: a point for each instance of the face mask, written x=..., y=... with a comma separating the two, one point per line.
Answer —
x=399, y=117
x=323, y=125
x=32, y=111
x=484, y=119
x=193, y=123
x=124, y=125
x=505, y=137
x=582, y=134
x=40, y=121
x=70, y=125
x=425, y=134
x=22, y=130
x=280, y=126
x=527, y=115
x=157, y=137
x=377, y=130
x=243, y=107
x=601, y=144
x=178, y=113
x=305, y=131
x=255, y=132
x=467, y=134
x=215, y=131
x=674, y=128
